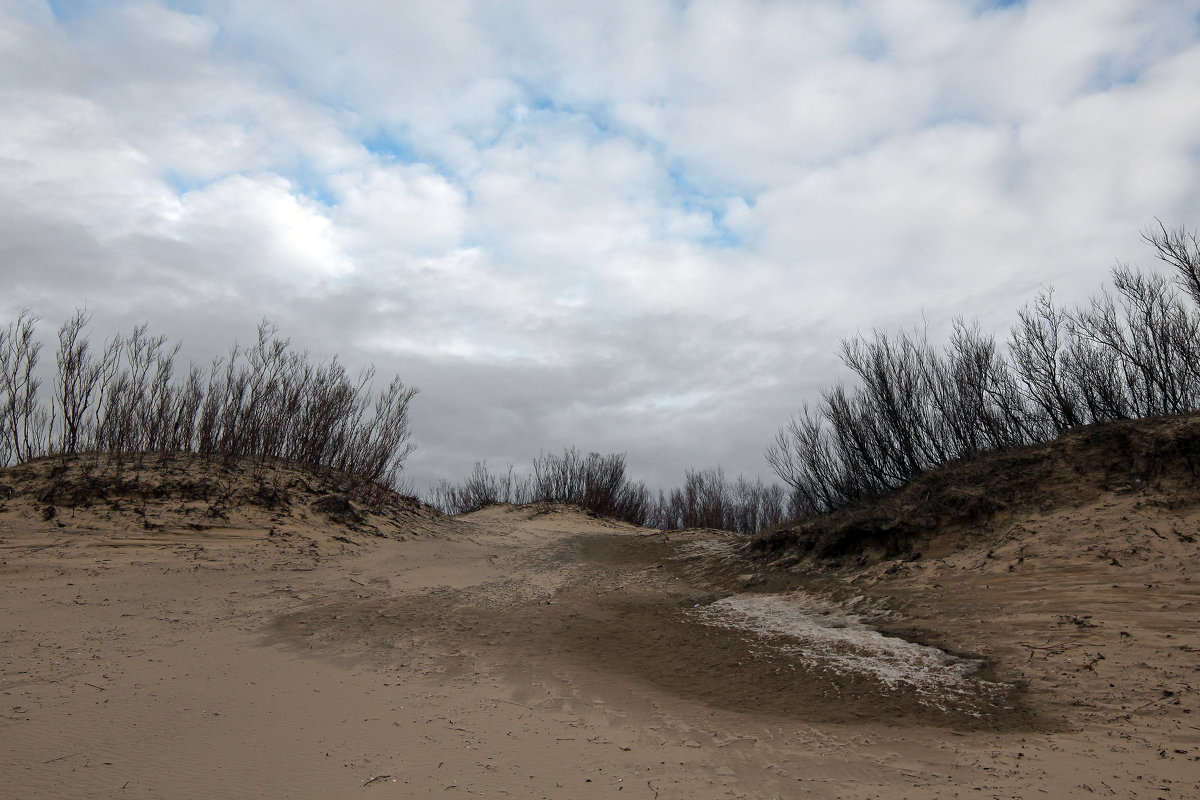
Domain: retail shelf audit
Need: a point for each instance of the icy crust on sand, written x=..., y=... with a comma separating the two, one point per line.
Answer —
x=836, y=641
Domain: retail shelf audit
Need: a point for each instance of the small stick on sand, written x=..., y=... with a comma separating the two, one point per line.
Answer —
x=60, y=758
x=512, y=702
x=377, y=778
x=1155, y=700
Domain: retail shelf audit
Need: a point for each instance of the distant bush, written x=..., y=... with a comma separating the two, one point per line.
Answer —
x=708, y=500
x=595, y=482
x=1129, y=353
x=265, y=401
x=481, y=489
x=599, y=483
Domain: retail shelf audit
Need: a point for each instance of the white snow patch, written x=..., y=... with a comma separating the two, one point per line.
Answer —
x=832, y=638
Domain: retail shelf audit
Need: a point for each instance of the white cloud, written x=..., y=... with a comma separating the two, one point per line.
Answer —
x=633, y=225
x=262, y=224
x=400, y=209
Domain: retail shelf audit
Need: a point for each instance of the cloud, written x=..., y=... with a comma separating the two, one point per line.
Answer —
x=628, y=226
x=399, y=208
x=262, y=226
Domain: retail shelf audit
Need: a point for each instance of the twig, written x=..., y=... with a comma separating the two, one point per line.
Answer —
x=377, y=778
x=512, y=702
x=1155, y=700
x=60, y=758
x=94, y=686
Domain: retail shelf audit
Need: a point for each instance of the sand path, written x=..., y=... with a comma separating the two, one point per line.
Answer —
x=518, y=653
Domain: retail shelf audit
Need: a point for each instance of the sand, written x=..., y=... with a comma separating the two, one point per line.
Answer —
x=273, y=649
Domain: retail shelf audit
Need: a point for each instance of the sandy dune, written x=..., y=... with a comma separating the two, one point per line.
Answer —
x=208, y=640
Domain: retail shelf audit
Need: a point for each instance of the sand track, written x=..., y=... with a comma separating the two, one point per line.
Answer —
x=544, y=653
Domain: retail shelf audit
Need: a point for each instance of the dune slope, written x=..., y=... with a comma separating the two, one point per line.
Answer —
x=181, y=629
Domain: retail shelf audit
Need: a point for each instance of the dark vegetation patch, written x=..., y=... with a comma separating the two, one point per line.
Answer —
x=1131, y=352
x=600, y=484
x=1157, y=457
x=205, y=490
x=265, y=401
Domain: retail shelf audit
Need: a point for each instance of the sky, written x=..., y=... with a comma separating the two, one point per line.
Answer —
x=637, y=227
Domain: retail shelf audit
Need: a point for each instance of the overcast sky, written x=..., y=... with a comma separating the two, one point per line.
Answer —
x=636, y=227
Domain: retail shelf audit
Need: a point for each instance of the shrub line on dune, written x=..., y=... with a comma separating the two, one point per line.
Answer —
x=1129, y=353
x=266, y=401
x=600, y=484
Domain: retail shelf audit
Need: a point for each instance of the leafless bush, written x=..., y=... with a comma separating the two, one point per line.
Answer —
x=708, y=500
x=702, y=502
x=1038, y=348
x=265, y=401
x=759, y=505
x=481, y=489
x=594, y=482
x=1131, y=352
x=27, y=426
x=599, y=483
x=78, y=374
x=1179, y=248
x=916, y=408
x=1153, y=339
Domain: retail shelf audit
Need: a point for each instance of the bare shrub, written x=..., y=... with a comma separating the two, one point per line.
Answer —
x=703, y=501
x=1038, y=351
x=760, y=505
x=481, y=489
x=915, y=408
x=1130, y=352
x=806, y=457
x=1180, y=249
x=27, y=425
x=265, y=401
x=1151, y=337
x=594, y=482
x=600, y=483
x=78, y=375
x=708, y=500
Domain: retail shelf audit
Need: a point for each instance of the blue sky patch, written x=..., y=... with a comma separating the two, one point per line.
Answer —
x=183, y=183
x=391, y=147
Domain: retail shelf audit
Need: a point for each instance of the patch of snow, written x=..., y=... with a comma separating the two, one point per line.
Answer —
x=833, y=638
